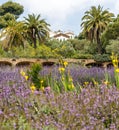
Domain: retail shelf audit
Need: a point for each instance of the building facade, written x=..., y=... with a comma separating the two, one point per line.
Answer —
x=62, y=36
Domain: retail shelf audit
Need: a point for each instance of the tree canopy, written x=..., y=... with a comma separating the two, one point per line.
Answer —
x=9, y=11
x=12, y=8
x=112, y=31
x=37, y=28
x=14, y=34
x=94, y=22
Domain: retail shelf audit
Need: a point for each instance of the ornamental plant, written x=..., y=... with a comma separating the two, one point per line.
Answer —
x=116, y=69
x=66, y=78
x=38, y=81
x=60, y=79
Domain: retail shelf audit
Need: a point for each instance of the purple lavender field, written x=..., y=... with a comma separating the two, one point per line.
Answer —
x=94, y=107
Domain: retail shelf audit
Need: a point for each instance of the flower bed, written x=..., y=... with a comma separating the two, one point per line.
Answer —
x=94, y=104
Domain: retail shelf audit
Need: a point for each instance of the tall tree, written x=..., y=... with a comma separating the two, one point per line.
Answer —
x=9, y=11
x=94, y=22
x=112, y=31
x=13, y=34
x=36, y=28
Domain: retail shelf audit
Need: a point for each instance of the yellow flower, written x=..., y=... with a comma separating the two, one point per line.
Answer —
x=117, y=70
x=106, y=82
x=65, y=63
x=26, y=77
x=72, y=86
x=61, y=69
x=112, y=56
x=113, y=61
x=41, y=81
x=70, y=79
x=22, y=73
x=33, y=88
x=86, y=83
x=95, y=83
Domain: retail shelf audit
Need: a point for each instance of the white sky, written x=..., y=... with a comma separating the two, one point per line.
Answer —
x=64, y=14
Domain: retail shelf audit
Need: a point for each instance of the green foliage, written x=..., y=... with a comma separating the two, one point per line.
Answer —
x=114, y=59
x=83, y=47
x=41, y=51
x=48, y=128
x=90, y=48
x=81, y=36
x=102, y=58
x=110, y=34
x=5, y=19
x=13, y=34
x=79, y=44
x=82, y=56
x=19, y=124
x=53, y=44
x=38, y=81
x=61, y=48
x=19, y=52
x=12, y=8
x=34, y=74
x=113, y=47
x=2, y=52
x=9, y=11
x=37, y=29
x=65, y=49
x=94, y=22
x=44, y=51
x=65, y=82
x=112, y=31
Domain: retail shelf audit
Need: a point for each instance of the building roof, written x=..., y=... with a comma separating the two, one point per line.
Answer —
x=61, y=34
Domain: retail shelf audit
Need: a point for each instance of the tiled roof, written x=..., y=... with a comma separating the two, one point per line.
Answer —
x=61, y=34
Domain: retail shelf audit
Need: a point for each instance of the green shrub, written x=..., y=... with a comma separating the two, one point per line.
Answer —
x=102, y=58
x=82, y=56
x=46, y=52
x=113, y=47
x=62, y=48
x=38, y=81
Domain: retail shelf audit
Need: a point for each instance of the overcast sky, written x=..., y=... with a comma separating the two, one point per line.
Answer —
x=64, y=15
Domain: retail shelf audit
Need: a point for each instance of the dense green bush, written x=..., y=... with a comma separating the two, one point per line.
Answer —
x=2, y=52
x=102, y=58
x=78, y=44
x=82, y=56
x=65, y=49
x=41, y=51
x=74, y=48
x=90, y=48
x=44, y=51
x=113, y=47
x=33, y=73
x=53, y=44
x=84, y=46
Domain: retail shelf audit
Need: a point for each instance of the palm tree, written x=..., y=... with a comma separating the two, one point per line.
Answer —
x=36, y=28
x=13, y=34
x=94, y=22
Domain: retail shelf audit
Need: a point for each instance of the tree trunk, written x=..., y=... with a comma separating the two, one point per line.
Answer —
x=34, y=42
x=34, y=37
x=99, y=45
